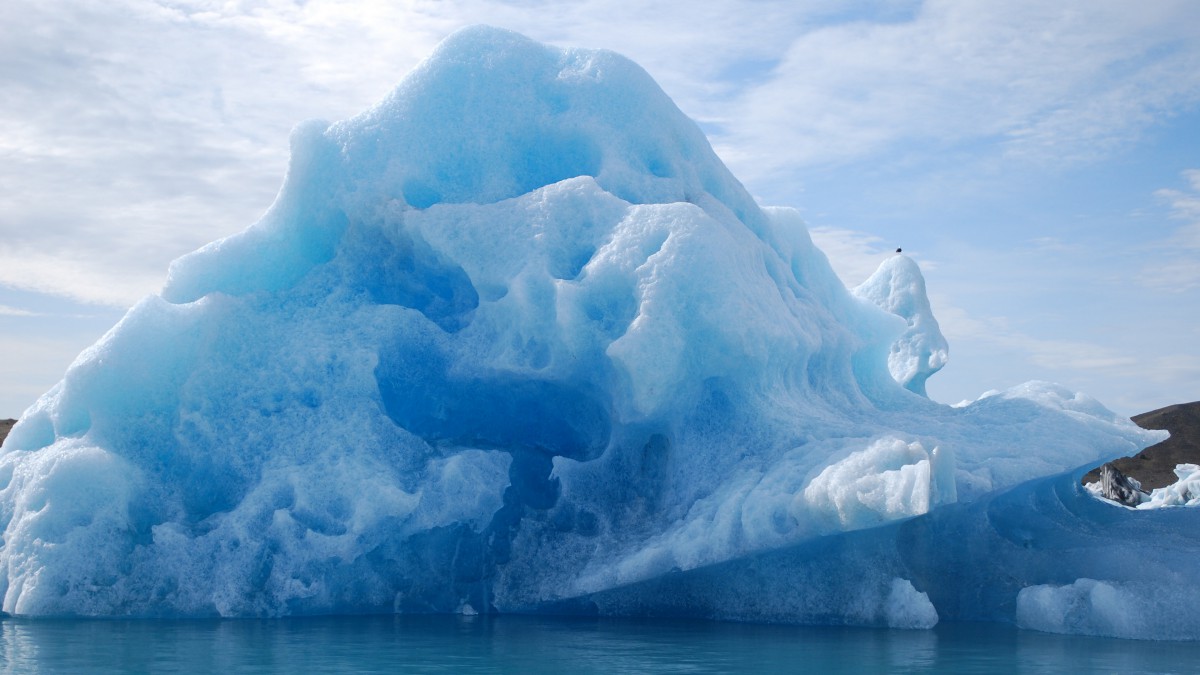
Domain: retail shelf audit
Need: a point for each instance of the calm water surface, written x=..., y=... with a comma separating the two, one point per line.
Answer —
x=450, y=644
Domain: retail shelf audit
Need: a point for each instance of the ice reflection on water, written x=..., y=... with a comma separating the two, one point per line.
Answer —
x=432, y=644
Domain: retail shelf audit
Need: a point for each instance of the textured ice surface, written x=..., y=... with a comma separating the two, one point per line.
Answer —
x=1044, y=554
x=906, y=607
x=512, y=338
x=890, y=479
x=1183, y=492
x=899, y=287
x=1126, y=610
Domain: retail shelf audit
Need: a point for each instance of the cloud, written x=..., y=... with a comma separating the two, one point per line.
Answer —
x=18, y=312
x=1051, y=82
x=156, y=127
x=5, y=310
x=988, y=352
x=1060, y=309
x=979, y=341
x=1048, y=354
x=853, y=255
x=1176, y=267
x=76, y=278
x=134, y=131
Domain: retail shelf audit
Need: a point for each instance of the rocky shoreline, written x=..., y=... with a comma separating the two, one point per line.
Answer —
x=5, y=426
x=1154, y=467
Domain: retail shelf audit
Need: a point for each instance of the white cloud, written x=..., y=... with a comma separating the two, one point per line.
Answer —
x=76, y=278
x=1176, y=265
x=163, y=125
x=1045, y=353
x=853, y=255
x=5, y=310
x=1050, y=81
x=978, y=341
x=133, y=131
x=988, y=352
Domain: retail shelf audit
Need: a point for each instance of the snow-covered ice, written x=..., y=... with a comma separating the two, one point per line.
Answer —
x=516, y=340
x=1185, y=491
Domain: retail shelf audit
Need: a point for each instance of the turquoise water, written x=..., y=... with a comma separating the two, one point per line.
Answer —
x=445, y=644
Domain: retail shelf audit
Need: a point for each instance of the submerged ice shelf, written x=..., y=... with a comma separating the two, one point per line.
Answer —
x=512, y=338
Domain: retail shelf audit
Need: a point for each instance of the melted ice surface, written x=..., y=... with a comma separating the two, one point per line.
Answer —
x=512, y=336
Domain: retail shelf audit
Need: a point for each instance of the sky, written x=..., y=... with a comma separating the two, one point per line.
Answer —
x=1040, y=160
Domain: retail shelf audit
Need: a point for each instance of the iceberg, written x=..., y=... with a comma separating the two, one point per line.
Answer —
x=515, y=340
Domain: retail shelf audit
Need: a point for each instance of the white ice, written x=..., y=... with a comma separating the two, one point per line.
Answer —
x=1110, y=609
x=1185, y=491
x=899, y=287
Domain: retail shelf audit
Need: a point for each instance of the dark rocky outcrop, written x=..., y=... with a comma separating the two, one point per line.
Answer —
x=5, y=425
x=1120, y=488
x=1154, y=467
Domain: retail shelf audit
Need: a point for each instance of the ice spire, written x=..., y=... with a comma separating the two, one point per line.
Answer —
x=898, y=287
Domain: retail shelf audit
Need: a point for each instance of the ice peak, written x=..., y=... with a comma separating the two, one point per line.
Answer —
x=899, y=287
x=492, y=115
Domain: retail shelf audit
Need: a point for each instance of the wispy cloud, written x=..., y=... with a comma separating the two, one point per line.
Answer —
x=1176, y=267
x=1049, y=354
x=980, y=340
x=20, y=312
x=5, y=310
x=76, y=278
x=134, y=131
x=162, y=125
x=1048, y=81
x=853, y=255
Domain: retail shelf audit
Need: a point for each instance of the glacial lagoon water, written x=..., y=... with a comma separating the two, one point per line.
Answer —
x=516, y=644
